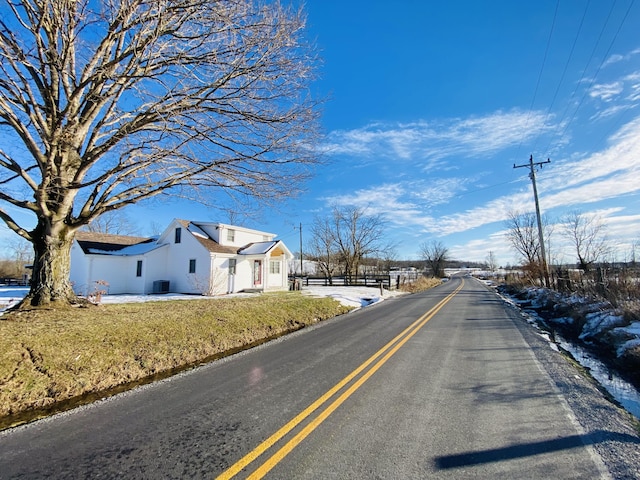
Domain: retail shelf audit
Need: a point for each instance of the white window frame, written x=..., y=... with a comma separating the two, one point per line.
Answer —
x=274, y=267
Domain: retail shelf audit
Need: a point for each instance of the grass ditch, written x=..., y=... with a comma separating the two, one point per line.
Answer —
x=50, y=357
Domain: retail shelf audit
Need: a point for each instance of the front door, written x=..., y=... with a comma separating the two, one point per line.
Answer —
x=257, y=273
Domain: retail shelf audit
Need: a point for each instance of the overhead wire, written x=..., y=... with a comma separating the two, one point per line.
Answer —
x=584, y=71
x=605, y=57
x=544, y=61
x=564, y=72
x=565, y=123
x=488, y=187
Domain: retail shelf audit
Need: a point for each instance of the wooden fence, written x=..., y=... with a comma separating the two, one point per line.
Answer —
x=360, y=281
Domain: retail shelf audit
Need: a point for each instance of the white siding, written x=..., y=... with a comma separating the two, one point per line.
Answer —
x=241, y=236
x=155, y=268
x=79, y=275
x=119, y=273
x=177, y=271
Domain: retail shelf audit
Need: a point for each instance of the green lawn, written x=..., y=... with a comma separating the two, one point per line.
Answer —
x=49, y=356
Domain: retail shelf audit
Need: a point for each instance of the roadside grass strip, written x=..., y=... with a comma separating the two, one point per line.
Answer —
x=364, y=372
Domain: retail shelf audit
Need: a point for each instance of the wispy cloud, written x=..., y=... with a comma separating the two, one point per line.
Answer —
x=469, y=137
x=606, y=91
x=404, y=204
x=618, y=163
x=496, y=210
x=618, y=96
x=479, y=249
x=617, y=58
x=600, y=176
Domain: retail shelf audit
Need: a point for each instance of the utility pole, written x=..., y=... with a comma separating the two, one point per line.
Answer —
x=532, y=176
x=301, y=271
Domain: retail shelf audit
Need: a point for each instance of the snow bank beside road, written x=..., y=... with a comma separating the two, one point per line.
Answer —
x=594, y=322
x=352, y=296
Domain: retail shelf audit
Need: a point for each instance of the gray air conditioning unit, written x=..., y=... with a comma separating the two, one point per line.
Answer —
x=161, y=286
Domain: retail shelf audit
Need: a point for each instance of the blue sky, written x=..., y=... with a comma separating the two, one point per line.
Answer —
x=430, y=105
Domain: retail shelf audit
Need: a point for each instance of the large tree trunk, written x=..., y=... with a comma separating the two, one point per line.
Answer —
x=50, y=282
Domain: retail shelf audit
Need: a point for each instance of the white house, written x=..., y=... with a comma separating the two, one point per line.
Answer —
x=188, y=257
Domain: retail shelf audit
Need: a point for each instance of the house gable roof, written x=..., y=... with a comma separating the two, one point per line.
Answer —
x=218, y=225
x=105, y=243
x=257, y=248
x=262, y=248
x=109, y=244
x=214, y=247
x=205, y=240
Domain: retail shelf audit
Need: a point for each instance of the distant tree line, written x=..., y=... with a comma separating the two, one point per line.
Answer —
x=13, y=264
x=593, y=270
x=350, y=242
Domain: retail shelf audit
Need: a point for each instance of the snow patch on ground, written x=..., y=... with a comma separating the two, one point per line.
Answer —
x=357, y=297
x=10, y=296
x=601, y=319
x=352, y=296
x=599, y=322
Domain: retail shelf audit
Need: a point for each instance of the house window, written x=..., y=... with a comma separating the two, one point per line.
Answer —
x=274, y=266
x=231, y=235
x=192, y=265
x=232, y=266
x=139, y=268
x=178, y=236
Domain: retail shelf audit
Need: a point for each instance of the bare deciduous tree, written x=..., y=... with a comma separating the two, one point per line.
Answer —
x=522, y=232
x=356, y=236
x=107, y=103
x=435, y=254
x=21, y=256
x=345, y=238
x=586, y=234
x=322, y=248
x=114, y=222
x=492, y=261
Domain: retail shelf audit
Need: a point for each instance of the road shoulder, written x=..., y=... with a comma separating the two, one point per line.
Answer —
x=606, y=427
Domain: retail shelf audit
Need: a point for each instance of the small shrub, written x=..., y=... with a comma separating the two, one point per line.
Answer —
x=420, y=285
x=100, y=288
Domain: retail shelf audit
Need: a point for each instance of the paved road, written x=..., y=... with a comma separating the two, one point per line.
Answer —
x=449, y=383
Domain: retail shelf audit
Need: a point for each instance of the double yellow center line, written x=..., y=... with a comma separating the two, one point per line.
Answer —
x=385, y=352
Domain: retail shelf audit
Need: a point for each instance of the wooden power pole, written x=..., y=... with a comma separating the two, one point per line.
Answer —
x=301, y=263
x=532, y=176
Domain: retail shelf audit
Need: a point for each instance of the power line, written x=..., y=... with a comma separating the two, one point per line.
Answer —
x=544, y=61
x=568, y=123
x=485, y=188
x=566, y=66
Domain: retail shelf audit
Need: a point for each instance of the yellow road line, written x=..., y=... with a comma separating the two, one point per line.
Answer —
x=407, y=333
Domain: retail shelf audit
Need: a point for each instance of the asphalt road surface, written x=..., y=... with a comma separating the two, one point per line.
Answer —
x=448, y=383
